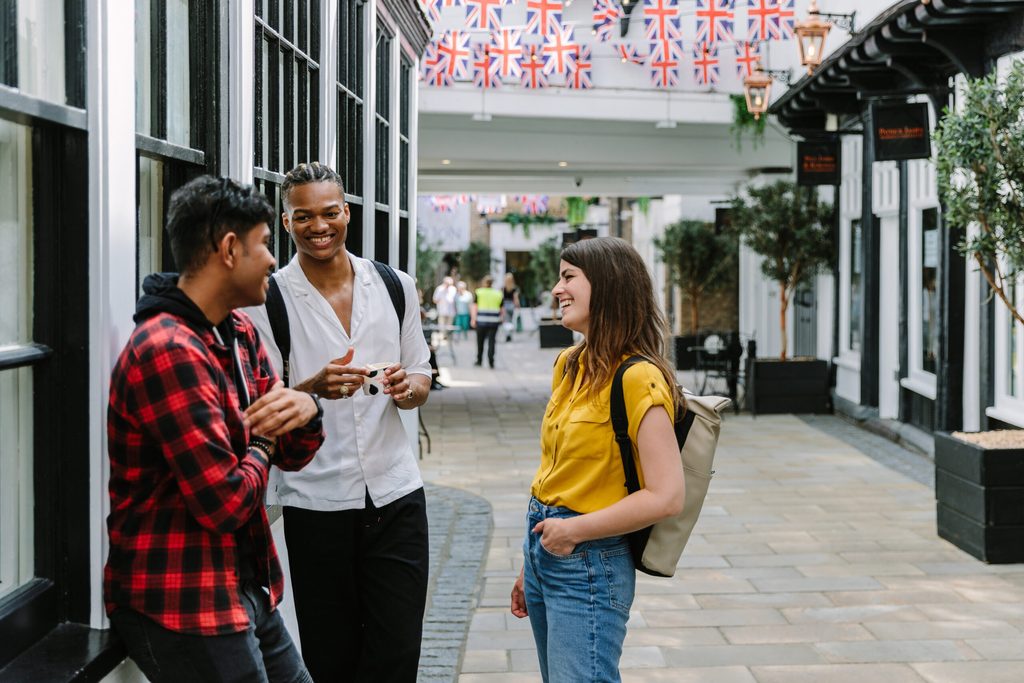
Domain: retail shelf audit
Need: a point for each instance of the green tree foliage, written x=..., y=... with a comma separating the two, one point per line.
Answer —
x=697, y=259
x=790, y=229
x=981, y=177
x=576, y=211
x=476, y=261
x=544, y=263
x=743, y=121
x=427, y=260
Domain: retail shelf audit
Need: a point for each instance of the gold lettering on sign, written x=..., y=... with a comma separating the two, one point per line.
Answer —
x=901, y=133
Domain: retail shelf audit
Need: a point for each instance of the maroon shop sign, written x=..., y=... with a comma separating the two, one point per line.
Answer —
x=901, y=132
x=817, y=162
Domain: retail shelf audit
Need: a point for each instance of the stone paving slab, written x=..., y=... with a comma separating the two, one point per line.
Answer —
x=811, y=562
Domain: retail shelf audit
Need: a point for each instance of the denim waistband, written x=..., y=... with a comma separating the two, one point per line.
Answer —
x=542, y=511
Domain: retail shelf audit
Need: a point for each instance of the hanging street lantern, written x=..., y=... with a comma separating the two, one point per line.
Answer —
x=812, y=31
x=757, y=88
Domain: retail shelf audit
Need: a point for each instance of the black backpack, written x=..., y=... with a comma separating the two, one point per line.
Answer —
x=278, y=314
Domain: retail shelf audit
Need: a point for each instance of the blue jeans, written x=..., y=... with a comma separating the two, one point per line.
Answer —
x=578, y=604
x=264, y=653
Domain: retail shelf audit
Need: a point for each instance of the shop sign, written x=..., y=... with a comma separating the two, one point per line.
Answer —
x=901, y=132
x=817, y=162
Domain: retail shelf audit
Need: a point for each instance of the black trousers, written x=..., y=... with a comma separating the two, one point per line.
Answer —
x=263, y=653
x=360, y=583
x=485, y=333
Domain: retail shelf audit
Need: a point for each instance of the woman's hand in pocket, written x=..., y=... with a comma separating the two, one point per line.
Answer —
x=556, y=535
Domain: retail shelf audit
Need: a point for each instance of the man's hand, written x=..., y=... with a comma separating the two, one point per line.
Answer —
x=337, y=379
x=519, y=598
x=407, y=391
x=279, y=411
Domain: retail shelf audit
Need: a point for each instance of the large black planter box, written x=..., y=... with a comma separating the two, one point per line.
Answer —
x=791, y=386
x=980, y=499
x=554, y=336
x=686, y=357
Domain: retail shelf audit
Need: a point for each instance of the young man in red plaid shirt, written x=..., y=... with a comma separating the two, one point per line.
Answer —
x=197, y=415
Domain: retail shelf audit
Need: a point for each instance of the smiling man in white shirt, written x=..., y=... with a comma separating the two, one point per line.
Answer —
x=355, y=519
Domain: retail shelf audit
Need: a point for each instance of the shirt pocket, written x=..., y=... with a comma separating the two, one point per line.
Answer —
x=590, y=415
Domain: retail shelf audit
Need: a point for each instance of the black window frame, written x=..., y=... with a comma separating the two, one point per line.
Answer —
x=181, y=163
x=290, y=29
x=61, y=590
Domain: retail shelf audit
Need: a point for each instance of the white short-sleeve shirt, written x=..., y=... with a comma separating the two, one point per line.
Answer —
x=366, y=448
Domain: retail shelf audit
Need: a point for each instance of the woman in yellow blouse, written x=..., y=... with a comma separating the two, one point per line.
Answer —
x=578, y=577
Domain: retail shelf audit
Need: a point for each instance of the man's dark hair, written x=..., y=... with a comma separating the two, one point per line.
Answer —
x=205, y=209
x=312, y=172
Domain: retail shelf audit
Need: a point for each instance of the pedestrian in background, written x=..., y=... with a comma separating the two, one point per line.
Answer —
x=444, y=301
x=509, y=305
x=485, y=316
x=578, y=577
x=463, y=300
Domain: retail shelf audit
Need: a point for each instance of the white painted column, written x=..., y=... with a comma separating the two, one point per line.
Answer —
x=111, y=83
x=369, y=127
x=330, y=46
x=886, y=201
x=238, y=92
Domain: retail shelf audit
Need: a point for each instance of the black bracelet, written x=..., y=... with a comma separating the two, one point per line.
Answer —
x=263, y=445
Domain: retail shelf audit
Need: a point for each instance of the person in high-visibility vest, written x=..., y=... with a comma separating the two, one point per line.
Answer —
x=486, y=317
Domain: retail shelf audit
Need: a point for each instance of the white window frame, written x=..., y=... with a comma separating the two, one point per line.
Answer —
x=923, y=196
x=1008, y=408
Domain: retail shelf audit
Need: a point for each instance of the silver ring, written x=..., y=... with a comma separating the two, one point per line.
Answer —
x=344, y=391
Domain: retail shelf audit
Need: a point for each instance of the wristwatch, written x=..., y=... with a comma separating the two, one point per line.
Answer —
x=319, y=410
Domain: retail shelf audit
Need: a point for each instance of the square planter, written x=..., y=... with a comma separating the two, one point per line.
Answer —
x=554, y=336
x=791, y=386
x=686, y=359
x=980, y=498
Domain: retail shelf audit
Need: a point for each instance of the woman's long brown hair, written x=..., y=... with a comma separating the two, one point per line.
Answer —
x=625, y=319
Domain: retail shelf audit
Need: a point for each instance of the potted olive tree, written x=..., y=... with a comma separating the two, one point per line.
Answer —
x=979, y=477
x=789, y=228
x=698, y=261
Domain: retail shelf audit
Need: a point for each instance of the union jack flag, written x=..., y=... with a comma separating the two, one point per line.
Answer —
x=630, y=53
x=579, y=76
x=559, y=50
x=483, y=14
x=715, y=21
x=770, y=19
x=490, y=203
x=485, y=68
x=606, y=18
x=432, y=8
x=543, y=16
x=664, y=64
x=434, y=71
x=533, y=68
x=507, y=49
x=661, y=20
x=748, y=56
x=705, y=64
x=534, y=204
x=443, y=203
x=453, y=48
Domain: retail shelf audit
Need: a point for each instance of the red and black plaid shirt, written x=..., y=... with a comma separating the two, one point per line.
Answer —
x=184, y=487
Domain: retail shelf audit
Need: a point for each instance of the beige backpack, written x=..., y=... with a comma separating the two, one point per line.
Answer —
x=656, y=549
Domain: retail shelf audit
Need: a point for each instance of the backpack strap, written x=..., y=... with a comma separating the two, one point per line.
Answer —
x=278, y=315
x=620, y=423
x=395, y=291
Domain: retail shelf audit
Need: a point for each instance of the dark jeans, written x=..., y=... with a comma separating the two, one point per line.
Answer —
x=485, y=333
x=360, y=583
x=264, y=653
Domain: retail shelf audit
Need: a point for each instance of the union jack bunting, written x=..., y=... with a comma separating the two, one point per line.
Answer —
x=483, y=14
x=543, y=16
x=534, y=204
x=630, y=53
x=443, y=203
x=661, y=20
x=770, y=19
x=434, y=71
x=485, y=68
x=433, y=9
x=533, y=68
x=748, y=56
x=579, y=76
x=705, y=64
x=664, y=64
x=449, y=3
x=507, y=50
x=715, y=21
x=606, y=17
x=489, y=204
x=559, y=50
x=453, y=48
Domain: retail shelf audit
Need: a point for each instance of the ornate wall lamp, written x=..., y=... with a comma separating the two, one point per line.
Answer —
x=812, y=31
x=757, y=89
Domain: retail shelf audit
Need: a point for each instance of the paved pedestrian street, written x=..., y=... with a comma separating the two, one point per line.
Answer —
x=811, y=561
